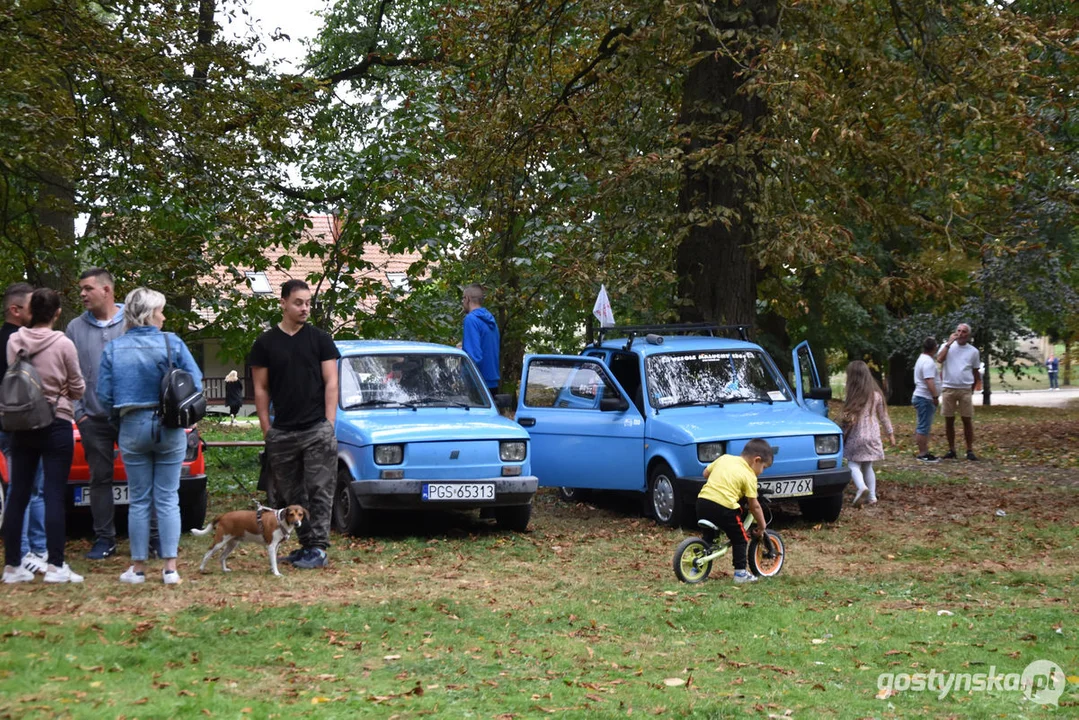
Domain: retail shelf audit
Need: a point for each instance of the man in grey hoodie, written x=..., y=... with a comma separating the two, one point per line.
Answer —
x=91, y=331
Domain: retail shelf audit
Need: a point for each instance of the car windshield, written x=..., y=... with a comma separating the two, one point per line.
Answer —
x=706, y=378
x=374, y=381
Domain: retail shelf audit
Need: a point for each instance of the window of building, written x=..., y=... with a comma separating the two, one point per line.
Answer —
x=260, y=284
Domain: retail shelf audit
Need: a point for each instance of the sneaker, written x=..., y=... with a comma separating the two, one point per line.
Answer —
x=744, y=576
x=155, y=548
x=170, y=577
x=971, y=455
x=62, y=574
x=132, y=577
x=291, y=557
x=872, y=500
x=858, y=498
x=17, y=575
x=310, y=559
x=950, y=455
x=102, y=549
x=927, y=458
x=35, y=562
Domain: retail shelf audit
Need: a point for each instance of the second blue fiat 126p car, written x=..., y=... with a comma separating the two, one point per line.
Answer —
x=417, y=429
x=647, y=408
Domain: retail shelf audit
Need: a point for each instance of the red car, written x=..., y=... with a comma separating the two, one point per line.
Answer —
x=192, y=481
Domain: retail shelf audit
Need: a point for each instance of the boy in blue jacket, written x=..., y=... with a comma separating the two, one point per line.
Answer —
x=481, y=338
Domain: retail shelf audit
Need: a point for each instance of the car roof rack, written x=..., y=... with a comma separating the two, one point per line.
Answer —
x=635, y=331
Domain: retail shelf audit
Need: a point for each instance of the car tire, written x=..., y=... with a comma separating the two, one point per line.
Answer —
x=513, y=517
x=822, y=509
x=572, y=495
x=665, y=502
x=348, y=517
x=193, y=509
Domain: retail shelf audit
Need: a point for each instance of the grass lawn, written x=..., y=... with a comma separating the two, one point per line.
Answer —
x=962, y=568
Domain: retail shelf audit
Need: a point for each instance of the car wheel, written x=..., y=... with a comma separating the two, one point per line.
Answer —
x=513, y=517
x=664, y=499
x=824, y=509
x=193, y=508
x=572, y=495
x=348, y=516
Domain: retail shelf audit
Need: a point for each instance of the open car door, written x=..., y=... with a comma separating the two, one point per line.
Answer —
x=812, y=394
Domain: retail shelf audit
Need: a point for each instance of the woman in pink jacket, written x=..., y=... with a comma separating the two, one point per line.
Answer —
x=56, y=362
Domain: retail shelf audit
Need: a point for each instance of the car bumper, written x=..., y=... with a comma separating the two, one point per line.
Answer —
x=190, y=486
x=408, y=494
x=825, y=483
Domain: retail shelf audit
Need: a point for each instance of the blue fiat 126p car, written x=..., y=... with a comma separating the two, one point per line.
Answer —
x=648, y=411
x=417, y=429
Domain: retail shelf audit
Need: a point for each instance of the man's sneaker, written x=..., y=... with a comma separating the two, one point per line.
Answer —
x=132, y=577
x=927, y=458
x=310, y=559
x=102, y=549
x=971, y=455
x=35, y=563
x=744, y=576
x=950, y=455
x=291, y=557
x=154, y=550
x=17, y=575
x=62, y=574
x=170, y=577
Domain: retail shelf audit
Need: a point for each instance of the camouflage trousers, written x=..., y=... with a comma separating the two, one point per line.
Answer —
x=304, y=468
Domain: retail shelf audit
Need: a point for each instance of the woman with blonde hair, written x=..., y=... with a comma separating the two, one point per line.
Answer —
x=129, y=385
x=234, y=393
x=864, y=411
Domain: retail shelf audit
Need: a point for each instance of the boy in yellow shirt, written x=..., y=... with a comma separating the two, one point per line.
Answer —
x=729, y=479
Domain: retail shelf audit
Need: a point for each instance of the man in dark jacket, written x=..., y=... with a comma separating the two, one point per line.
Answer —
x=481, y=339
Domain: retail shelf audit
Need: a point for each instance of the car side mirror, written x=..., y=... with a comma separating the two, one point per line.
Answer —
x=505, y=401
x=613, y=404
x=819, y=393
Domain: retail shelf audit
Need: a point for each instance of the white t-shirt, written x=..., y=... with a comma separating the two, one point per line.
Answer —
x=925, y=368
x=959, y=365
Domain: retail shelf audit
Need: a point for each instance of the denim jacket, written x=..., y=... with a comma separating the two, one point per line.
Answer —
x=133, y=365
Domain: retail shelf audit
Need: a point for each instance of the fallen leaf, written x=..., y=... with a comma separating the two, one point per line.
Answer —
x=674, y=682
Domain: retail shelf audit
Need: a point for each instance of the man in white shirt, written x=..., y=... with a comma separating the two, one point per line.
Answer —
x=926, y=390
x=960, y=361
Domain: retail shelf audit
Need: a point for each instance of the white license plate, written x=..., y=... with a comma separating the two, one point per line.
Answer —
x=787, y=488
x=458, y=491
x=119, y=496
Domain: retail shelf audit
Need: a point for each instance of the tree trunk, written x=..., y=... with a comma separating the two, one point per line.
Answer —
x=900, y=379
x=720, y=120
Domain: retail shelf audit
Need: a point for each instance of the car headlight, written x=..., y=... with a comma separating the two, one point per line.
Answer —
x=827, y=444
x=389, y=454
x=707, y=452
x=512, y=451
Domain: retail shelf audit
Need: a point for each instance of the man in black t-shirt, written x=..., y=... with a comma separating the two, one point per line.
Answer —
x=294, y=365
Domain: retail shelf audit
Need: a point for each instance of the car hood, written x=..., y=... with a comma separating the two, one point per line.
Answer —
x=423, y=425
x=682, y=426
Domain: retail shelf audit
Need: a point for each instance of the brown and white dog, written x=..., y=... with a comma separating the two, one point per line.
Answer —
x=265, y=526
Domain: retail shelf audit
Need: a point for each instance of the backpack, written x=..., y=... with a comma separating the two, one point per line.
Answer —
x=182, y=403
x=23, y=405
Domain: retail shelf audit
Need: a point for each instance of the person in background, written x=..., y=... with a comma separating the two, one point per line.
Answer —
x=961, y=364
x=34, y=550
x=102, y=322
x=1052, y=368
x=234, y=394
x=129, y=386
x=481, y=339
x=864, y=411
x=294, y=366
x=56, y=361
x=925, y=399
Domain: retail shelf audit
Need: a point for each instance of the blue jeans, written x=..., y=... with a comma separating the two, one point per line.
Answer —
x=153, y=457
x=925, y=409
x=33, y=522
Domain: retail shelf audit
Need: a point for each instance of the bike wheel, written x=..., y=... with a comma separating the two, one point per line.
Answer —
x=766, y=557
x=687, y=565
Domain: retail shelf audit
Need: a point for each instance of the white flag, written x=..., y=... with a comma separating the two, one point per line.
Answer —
x=602, y=308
